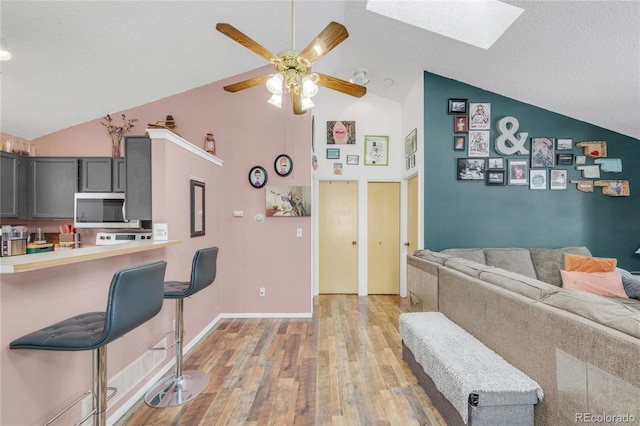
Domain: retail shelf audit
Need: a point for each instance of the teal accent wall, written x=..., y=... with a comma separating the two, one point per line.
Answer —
x=472, y=214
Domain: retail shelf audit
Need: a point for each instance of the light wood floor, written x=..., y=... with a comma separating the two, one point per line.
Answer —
x=342, y=367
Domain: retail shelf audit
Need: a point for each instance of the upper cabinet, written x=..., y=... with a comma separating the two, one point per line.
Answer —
x=13, y=186
x=138, y=174
x=53, y=181
x=102, y=174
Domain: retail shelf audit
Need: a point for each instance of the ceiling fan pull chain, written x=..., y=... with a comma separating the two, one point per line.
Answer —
x=293, y=26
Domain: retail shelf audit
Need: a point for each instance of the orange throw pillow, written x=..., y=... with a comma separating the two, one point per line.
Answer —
x=573, y=262
x=602, y=283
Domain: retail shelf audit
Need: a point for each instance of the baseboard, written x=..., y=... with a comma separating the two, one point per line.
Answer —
x=268, y=315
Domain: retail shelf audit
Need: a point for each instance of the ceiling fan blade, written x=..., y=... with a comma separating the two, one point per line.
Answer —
x=246, y=84
x=296, y=101
x=330, y=37
x=238, y=36
x=341, y=85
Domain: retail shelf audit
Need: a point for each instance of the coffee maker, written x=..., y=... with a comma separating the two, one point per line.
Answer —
x=14, y=240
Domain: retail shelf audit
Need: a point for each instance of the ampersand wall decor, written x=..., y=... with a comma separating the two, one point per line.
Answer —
x=508, y=143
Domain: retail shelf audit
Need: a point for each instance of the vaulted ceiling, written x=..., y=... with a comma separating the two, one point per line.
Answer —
x=75, y=61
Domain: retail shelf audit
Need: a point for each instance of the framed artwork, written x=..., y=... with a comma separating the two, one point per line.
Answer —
x=333, y=153
x=538, y=179
x=376, y=150
x=288, y=201
x=457, y=106
x=478, y=143
x=542, y=152
x=283, y=165
x=341, y=132
x=471, y=169
x=460, y=124
x=258, y=177
x=518, y=172
x=495, y=163
x=197, y=208
x=413, y=160
x=563, y=144
x=459, y=143
x=480, y=116
x=564, y=159
x=337, y=169
x=353, y=160
x=495, y=177
x=558, y=179
x=411, y=143
x=581, y=159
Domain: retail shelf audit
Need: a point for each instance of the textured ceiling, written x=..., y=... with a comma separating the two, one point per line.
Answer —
x=75, y=61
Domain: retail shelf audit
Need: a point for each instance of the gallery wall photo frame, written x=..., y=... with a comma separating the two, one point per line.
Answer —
x=538, y=179
x=411, y=143
x=457, y=106
x=478, y=145
x=258, y=176
x=283, y=165
x=460, y=124
x=376, y=150
x=564, y=159
x=333, y=153
x=495, y=177
x=542, y=152
x=353, y=160
x=471, y=169
x=564, y=144
x=495, y=163
x=459, y=142
x=558, y=179
x=479, y=116
x=518, y=170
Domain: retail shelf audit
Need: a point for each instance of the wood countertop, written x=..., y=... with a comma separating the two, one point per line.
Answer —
x=31, y=262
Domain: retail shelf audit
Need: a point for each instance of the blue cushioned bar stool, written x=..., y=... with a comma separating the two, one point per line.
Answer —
x=135, y=296
x=183, y=386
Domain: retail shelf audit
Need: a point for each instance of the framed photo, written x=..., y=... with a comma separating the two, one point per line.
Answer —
x=478, y=143
x=495, y=163
x=581, y=159
x=333, y=153
x=542, y=152
x=197, y=208
x=457, y=106
x=341, y=132
x=471, y=169
x=258, y=177
x=558, y=179
x=459, y=142
x=353, y=160
x=480, y=116
x=563, y=144
x=337, y=169
x=376, y=150
x=411, y=143
x=518, y=172
x=283, y=165
x=495, y=177
x=538, y=179
x=564, y=159
x=288, y=201
x=413, y=160
x=460, y=124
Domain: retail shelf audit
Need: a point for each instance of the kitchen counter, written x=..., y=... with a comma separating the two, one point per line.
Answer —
x=31, y=262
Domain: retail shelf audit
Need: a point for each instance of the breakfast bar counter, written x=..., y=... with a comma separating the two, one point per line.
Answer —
x=31, y=262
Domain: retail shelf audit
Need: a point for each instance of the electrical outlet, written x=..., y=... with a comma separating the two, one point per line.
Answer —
x=299, y=232
x=262, y=291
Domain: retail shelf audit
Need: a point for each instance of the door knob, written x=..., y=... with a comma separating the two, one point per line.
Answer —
x=380, y=243
x=407, y=244
x=353, y=243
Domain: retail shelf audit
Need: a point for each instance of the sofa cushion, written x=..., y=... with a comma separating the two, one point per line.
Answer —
x=468, y=267
x=602, y=283
x=475, y=255
x=432, y=256
x=589, y=264
x=631, y=283
x=518, y=283
x=512, y=259
x=600, y=309
x=548, y=262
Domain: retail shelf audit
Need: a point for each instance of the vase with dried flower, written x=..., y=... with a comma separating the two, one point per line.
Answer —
x=117, y=132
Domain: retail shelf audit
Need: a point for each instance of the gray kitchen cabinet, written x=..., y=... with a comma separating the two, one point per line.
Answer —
x=53, y=181
x=95, y=174
x=118, y=175
x=13, y=186
x=137, y=151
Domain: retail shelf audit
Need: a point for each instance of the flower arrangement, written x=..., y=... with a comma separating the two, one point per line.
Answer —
x=118, y=132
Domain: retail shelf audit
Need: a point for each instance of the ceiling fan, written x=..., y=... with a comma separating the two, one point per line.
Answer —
x=293, y=68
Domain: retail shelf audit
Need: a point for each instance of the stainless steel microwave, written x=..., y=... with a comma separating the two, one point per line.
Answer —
x=101, y=210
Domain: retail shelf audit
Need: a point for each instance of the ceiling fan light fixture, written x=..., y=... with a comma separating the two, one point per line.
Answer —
x=306, y=103
x=5, y=55
x=276, y=99
x=274, y=84
x=360, y=76
x=309, y=88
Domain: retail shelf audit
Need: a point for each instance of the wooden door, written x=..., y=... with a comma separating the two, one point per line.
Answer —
x=338, y=237
x=412, y=215
x=383, y=247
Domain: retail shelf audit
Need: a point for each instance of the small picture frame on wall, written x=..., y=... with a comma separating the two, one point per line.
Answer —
x=558, y=179
x=581, y=159
x=495, y=163
x=460, y=124
x=413, y=160
x=283, y=165
x=471, y=169
x=459, y=143
x=538, y=179
x=480, y=116
x=564, y=144
x=495, y=177
x=564, y=159
x=478, y=143
x=353, y=160
x=411, y=143
x=457, y=106
x=258, y=176
x=376, y=150
x=542, y=152
x=333, y=153
x=518, y=172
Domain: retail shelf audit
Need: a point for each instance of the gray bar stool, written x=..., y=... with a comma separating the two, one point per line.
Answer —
x=184, y=386
x=135, y=296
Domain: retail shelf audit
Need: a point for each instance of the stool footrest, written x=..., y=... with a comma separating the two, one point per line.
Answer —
x=153, y=347
x=113, y=390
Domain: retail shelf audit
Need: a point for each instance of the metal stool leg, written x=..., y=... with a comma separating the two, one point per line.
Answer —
x=100, y=386
x=182, y=386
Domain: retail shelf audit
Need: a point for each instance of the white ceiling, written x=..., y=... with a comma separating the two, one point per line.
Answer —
x=75, y=61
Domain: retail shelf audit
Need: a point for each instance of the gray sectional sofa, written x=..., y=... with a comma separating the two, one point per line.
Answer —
x=583, y=349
